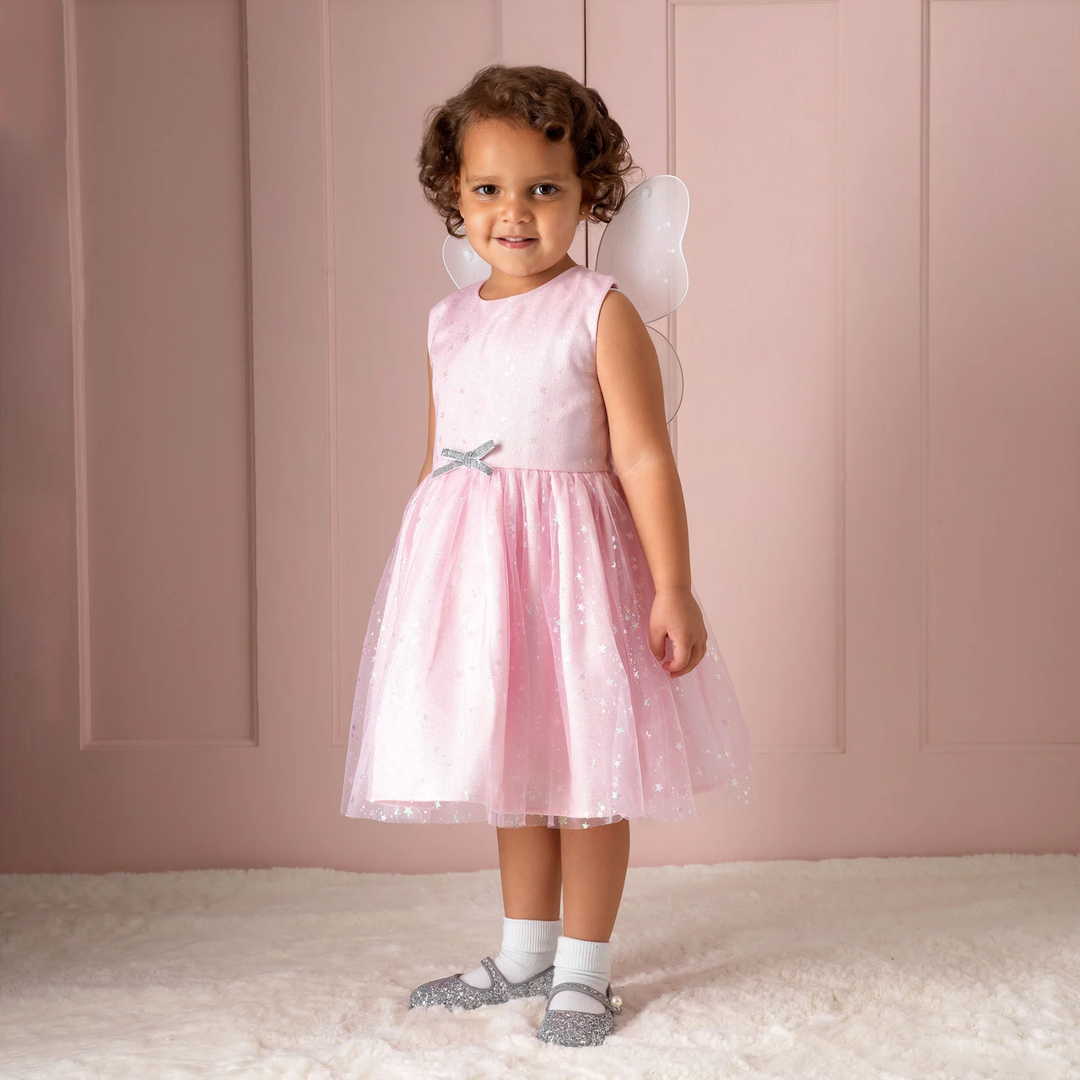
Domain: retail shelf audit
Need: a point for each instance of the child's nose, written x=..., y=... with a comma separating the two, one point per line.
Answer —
x=515, y=207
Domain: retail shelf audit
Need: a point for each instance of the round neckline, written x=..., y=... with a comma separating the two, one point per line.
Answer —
x=528, y=292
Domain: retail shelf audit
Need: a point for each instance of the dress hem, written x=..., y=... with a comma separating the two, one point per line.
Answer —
x=451, y=812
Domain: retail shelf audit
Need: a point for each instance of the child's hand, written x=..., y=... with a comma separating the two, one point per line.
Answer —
x=675, y=614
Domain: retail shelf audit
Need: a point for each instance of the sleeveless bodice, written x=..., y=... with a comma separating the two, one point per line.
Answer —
x=521, y=371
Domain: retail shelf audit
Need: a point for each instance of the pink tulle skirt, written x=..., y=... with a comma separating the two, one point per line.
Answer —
x=506, y=674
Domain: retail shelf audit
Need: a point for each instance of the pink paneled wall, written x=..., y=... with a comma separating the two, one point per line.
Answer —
x=39, y=701
x=215, y=272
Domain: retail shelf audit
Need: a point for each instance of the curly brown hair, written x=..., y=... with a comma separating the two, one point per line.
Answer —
x=544, y=99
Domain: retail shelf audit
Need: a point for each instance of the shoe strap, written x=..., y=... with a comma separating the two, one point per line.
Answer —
x=584, y=989
x=497, y=977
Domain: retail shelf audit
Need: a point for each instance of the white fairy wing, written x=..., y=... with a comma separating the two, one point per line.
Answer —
x=642, y=249
x=462, y=263
x=671, y=372
x=642, y=246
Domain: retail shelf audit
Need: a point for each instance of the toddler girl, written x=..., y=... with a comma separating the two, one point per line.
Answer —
x=536, y=656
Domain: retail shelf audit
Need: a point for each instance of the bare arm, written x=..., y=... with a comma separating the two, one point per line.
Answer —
x=428, y=462
x=629, y=374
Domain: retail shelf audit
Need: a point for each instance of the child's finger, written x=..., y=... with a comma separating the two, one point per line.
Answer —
x=696, y=653
x=657, y=637
x=680, y=655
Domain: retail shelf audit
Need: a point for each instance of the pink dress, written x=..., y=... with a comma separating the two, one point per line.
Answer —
x=506, y=674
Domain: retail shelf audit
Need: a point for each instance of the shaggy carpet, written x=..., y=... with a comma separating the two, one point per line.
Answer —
x=887, y=968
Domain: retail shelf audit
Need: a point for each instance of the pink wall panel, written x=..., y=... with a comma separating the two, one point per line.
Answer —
x=761, y=435
x=39, y=698
x=1003, y=384
x=163, y=431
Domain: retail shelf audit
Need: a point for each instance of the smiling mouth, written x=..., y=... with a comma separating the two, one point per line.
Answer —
x=515, y=241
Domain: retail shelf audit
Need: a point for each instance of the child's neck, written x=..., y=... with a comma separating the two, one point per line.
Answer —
x=503, y=285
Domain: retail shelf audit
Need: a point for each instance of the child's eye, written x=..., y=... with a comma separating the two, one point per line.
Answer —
x=479, y=189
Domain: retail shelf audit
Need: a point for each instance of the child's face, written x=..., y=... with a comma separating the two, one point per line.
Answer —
x=514, y=182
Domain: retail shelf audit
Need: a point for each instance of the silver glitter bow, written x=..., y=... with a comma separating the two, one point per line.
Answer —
x=471, y=458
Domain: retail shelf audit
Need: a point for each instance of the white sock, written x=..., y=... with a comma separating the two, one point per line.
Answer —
x=587, y=962
x=528, y=946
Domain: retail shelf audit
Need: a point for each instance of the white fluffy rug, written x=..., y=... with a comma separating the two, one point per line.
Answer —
x=901, y=968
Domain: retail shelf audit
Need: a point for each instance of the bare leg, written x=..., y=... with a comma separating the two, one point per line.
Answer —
x=531, y=883
x=594, y=865
x=529, y=863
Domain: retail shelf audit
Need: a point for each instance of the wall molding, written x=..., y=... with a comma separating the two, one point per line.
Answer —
x=927, y=743
x=838, y=745
x=76, y=269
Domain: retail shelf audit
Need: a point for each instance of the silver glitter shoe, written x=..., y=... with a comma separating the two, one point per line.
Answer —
x=572, y=1027
x=453, y=990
